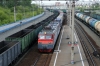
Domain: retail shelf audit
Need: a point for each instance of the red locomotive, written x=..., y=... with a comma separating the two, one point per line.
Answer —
x=48, y=36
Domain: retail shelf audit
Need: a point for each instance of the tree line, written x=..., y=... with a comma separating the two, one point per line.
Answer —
x=11, y=3
x=23, y=9
x=95, y=6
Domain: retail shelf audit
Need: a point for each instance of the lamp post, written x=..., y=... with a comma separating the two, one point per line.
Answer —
x=72, y=47
x=69, y=13
x=72, y=31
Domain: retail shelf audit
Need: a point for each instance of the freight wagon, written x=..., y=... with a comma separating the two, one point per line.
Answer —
x=96, y=16
x=24, y=36
x=92, y=23
x=9, y=51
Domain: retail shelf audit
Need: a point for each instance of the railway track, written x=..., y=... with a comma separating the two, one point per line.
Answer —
x=87, y=44
x=35, y=58
x=93, y=29
x=29, y=58
x=43, y=60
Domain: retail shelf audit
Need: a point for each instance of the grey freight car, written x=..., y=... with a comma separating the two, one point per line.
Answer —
x=9, y=50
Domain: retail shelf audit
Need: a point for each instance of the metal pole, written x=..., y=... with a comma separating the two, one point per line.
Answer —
x=69, y=13
x=40, y=6
x=70, y=9
x=33, y=11
x=14, y=14
x=72, y=47
x=15, y=10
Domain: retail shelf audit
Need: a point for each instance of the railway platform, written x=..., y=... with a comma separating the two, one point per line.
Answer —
x=62, y=54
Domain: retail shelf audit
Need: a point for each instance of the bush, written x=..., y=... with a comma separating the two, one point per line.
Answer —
x=19, y=16
x=7, y=14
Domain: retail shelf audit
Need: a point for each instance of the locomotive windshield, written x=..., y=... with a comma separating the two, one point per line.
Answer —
x=41, y=37
x=48, y=37
x=45, y=36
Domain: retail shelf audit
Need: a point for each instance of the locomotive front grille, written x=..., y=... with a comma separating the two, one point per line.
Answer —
x=44, y=46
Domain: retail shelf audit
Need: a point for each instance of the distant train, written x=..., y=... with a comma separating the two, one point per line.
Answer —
x=94, y=23
x=48, y=36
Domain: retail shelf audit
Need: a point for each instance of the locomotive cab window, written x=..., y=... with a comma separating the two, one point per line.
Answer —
x=41, y=37
x=48, y=37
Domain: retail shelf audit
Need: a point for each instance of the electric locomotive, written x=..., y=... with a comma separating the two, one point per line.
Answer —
x=48, y=36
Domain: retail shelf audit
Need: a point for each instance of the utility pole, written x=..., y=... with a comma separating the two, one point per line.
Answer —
x=72, y=7
x=72, y=46
x=69, y=16
x=15, y=10
x=70, y=11
x=39, y=6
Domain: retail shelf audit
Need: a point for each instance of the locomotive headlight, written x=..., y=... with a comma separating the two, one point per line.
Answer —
x=44, y=32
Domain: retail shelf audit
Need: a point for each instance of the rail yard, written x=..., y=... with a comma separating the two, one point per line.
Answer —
x=54, y=37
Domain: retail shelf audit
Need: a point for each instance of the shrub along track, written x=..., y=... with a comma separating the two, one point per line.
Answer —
x=88, y=45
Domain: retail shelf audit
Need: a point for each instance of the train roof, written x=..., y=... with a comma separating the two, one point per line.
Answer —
x=47, y=32
x=59, y=17
x=20, y=34
x=49, y=29
x=5, y=45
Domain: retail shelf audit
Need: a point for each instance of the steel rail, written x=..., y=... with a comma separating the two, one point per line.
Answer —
x=88, y=40
x=90, y=59
x=46, y=60
x=36, y=60
x=93, y=29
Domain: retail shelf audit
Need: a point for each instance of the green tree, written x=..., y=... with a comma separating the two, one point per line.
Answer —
x=24, y=9
x=3, y=16
x=95, y=6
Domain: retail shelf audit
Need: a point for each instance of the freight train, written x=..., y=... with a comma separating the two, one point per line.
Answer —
x=92, y=23
x=14, y=45
x=48, y=36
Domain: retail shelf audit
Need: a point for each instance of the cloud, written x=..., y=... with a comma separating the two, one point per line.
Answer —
x=63, y=2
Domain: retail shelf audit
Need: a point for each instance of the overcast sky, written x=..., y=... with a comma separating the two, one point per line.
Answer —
x=61, y=2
